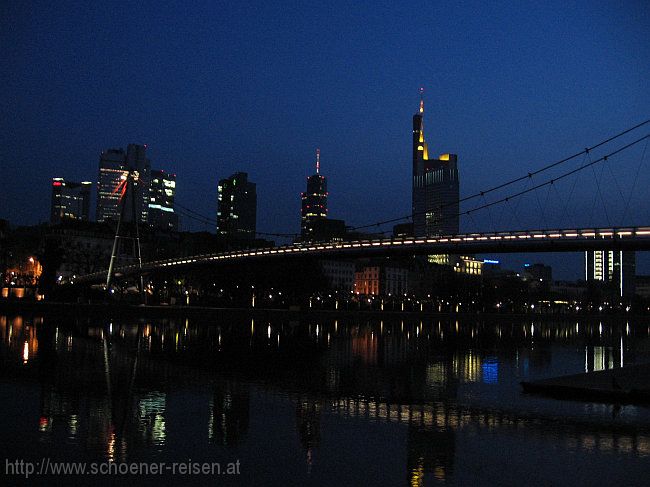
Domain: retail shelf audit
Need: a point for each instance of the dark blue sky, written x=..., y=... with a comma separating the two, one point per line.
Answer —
x=219, y=87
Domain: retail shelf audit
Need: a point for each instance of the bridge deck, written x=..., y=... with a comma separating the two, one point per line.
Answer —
x=560, y=240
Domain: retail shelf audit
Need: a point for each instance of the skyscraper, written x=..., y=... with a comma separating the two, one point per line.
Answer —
x=161, y=200
x=70, y=201
x=435, y=203
x=114, y=166
x=314, y=202
x=137, y=162
x=614, y=268
x=237, y=207
x=112, y=170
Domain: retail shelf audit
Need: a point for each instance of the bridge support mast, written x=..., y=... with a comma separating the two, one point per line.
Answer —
x=128, y=186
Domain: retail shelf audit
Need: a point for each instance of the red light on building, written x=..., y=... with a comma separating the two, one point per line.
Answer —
x=56, y=183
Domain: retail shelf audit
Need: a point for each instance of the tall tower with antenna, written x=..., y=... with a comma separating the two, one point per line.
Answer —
x=314, y=202
x=435, y=197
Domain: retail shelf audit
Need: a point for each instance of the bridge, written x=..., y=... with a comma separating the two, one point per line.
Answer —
x=560, y=240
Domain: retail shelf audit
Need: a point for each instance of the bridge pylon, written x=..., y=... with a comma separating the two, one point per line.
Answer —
x=125, y=234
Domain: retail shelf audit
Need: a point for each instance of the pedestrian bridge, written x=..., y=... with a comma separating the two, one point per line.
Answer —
x=558, y=240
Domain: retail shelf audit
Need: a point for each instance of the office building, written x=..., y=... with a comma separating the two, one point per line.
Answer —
x=381, y=279
x=339, y=274
x=615, y=269
x=161, y=200
x=314, y=203
x=237, y=207
x=112, y=171
x=70, y=201
x=462, y=264
x=114, y=167
x=435, y=204
x=140, y=167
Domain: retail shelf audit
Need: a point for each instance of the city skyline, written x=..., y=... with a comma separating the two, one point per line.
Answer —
x=239, y=102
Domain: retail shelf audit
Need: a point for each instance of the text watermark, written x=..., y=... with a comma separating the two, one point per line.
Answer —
x=48, y=467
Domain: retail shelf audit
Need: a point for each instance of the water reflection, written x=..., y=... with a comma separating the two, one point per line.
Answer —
x=229, y=414
x=302, y=390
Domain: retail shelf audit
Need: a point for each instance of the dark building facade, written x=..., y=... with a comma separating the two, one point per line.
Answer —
x=435, y=186
x=162, y=191
x=403, y=230
x=70, y=201
x=237, y=207
x=314, y=203
x=328, y=229
x=114, y=166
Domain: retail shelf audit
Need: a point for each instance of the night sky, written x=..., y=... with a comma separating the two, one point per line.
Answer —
x=219, y=87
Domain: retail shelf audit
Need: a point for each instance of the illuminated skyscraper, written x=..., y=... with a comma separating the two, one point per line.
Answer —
x=314, y=202
x=237, y=207
x=112, y=169
x=114, y=165
x=435, y=203
x=70, y=201
x=161, y=200
x=614, y=268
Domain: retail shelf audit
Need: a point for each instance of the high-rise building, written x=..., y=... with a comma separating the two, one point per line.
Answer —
x=237, y=207
x=314, y=202
x=114, y=166
x=614, y=268
x=112, y=171
x=70, y=201
x=140, y=166
x=161, y=200
x=435, y=202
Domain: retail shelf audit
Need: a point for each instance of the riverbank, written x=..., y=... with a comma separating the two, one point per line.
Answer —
x=150, y=311
x=625, y=385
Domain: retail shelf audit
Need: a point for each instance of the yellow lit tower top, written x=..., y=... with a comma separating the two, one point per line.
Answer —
x=420, y=150
x=421, y=99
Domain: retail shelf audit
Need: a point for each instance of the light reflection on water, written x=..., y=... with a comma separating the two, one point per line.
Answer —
x=331, y=400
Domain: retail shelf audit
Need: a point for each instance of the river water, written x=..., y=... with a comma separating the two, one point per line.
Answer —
x=316, y=400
